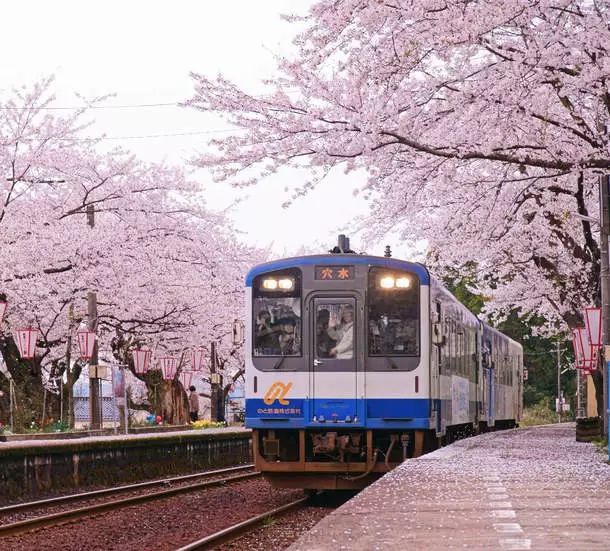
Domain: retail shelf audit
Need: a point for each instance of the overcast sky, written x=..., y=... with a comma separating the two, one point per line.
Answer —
x=142, y=52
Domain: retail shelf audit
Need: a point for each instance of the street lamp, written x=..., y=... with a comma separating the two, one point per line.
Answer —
x=604, y=210
x=26, y=343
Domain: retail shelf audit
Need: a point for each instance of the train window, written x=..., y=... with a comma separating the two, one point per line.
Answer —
x=393, y=313
x=276, y=314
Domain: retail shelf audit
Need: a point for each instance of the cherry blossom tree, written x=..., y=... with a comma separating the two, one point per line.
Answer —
x=481, y=127
x=164, y=268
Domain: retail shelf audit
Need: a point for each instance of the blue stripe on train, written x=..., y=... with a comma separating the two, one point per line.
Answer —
x=370, y=413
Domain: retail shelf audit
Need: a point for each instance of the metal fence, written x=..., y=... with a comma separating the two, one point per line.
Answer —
x=81, y=409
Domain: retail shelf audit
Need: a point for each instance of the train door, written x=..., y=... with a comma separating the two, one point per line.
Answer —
x=435, y=363
x=334, y=382
x=489, y=385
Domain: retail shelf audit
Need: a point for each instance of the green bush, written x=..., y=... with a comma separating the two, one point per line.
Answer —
x=57, y=426
x=538, y=414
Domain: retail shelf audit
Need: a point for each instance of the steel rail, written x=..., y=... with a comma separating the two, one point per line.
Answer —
x=61, y=517
x=29, y=505
x=240, y=528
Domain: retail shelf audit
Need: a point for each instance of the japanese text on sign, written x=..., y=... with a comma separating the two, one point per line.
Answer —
x=330, y=273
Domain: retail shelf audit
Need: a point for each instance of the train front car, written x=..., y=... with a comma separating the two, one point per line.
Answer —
x=337, y=371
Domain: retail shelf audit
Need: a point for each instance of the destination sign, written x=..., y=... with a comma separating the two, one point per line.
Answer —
x=330, y=273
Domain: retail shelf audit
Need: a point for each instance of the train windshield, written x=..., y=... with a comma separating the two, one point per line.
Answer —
x=393, y=313
x=276, y=313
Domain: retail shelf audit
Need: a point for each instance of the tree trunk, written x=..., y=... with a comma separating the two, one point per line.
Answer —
x=172, y=403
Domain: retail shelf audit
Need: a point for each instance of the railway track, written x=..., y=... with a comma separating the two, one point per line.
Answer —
x=241, y=528
x=52, y=519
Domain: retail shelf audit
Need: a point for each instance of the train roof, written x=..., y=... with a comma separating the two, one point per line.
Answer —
x=332, y=259
x=488, y=327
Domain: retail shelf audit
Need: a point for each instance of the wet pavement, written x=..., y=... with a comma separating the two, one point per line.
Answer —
x=531, y=488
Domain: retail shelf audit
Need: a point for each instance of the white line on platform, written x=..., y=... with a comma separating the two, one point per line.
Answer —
x=503, y=513
x=511, y=543
x=508, y=527
x=501, y=505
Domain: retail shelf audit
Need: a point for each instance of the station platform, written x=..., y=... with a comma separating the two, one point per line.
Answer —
x=27, y=444
x=528, y=488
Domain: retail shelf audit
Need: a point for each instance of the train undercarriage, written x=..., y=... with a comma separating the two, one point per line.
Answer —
x=334, y=459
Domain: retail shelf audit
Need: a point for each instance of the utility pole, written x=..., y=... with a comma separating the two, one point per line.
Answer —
x=213, y=384
x=604, y=182
x=559, y=400
x=95, y=402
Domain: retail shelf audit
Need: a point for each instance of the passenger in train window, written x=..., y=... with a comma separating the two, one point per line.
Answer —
x=266, y=335
x=324, y=342
x=375, y=338
x=343, y=333
x=288, y=346
x=403, y=337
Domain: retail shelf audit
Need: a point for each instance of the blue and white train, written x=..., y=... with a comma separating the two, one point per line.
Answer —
x=355, y=363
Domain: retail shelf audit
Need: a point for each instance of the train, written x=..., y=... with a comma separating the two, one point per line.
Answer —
x=355, y=363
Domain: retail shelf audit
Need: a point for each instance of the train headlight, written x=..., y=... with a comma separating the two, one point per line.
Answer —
x=403, y=282
x=283, y=284
x=387, y=282
x=286, y=284
x=270, y=284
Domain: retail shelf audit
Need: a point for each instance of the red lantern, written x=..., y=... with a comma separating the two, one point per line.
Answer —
x=3, y=305
x=198, y=355
x=586, y=355
x=185, y=379
x=26, y=341
x=141, y=360
x=593, y=323
x=86, y=343
x=168, y=366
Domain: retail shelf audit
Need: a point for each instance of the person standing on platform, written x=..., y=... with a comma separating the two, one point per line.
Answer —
x=193, y=404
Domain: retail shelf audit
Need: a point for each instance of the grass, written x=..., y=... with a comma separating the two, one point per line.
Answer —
x=538, y=414
x=601, y=444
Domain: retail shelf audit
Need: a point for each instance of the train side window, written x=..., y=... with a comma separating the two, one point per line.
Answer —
x=393, y=313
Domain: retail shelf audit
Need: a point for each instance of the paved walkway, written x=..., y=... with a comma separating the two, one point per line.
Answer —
x=531, y=488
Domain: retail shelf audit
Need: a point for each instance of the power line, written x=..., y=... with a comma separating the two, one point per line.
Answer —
x=143, y=136
x=76, y=108
x=119, y=106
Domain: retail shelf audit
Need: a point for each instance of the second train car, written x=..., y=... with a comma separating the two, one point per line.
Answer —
x=355, y=363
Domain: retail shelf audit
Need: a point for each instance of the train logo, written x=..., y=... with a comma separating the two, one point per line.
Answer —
x=277, y=391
